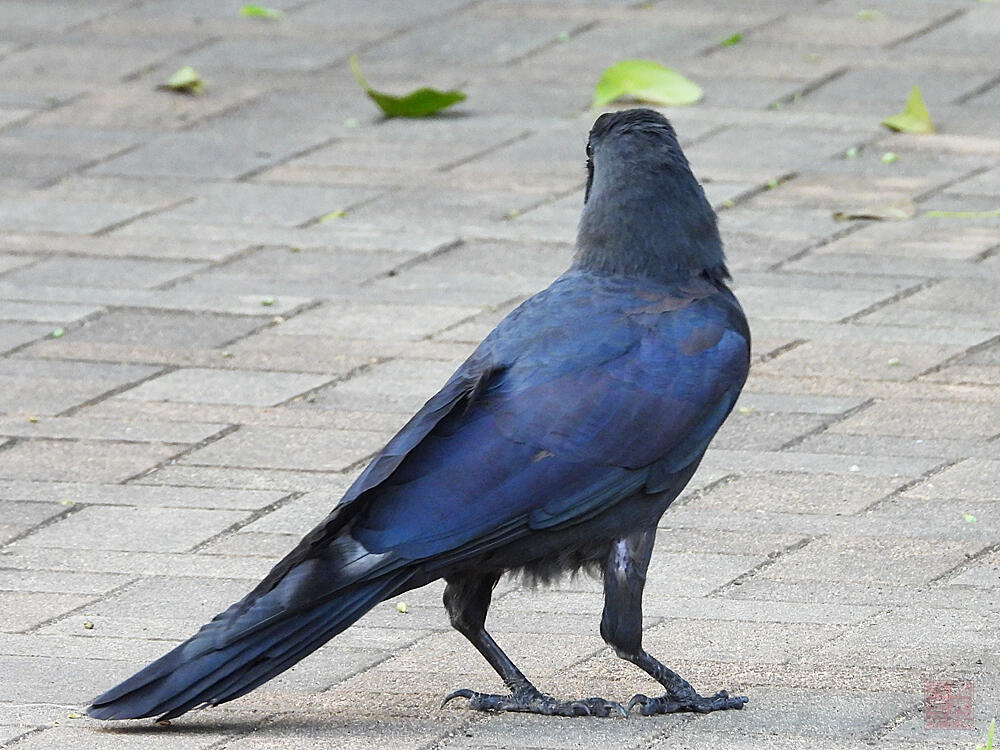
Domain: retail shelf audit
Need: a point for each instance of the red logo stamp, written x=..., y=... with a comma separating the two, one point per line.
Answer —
x=948, y=704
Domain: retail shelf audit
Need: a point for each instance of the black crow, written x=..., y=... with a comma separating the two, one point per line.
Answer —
x=556, y=446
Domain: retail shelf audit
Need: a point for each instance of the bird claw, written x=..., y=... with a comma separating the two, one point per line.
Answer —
x=532, y=701
x=668, y=704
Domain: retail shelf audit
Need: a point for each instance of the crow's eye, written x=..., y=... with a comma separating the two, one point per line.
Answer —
x=590, y=151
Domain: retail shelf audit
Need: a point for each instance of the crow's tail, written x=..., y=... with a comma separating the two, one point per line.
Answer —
x=215, y=666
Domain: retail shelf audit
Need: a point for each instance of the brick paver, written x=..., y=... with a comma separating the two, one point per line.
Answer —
x=229, y=354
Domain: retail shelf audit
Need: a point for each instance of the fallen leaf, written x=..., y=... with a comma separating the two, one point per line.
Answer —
x=890, y=157
x=969, y=518
x=896, y=211
x=729, y=41
x=402, y=608
x=186, y=81
x=914, y=118
x=58, y=333
x=419, y=103
x=259, y=11
x=894, y=362
x=645, y=81
x=267, y=301
x=852, y=152
x=338, y=214
x=964, y=214
x=870, y=14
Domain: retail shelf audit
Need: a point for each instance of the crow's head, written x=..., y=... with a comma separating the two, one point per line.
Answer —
x=633, y=137
x=644, y=211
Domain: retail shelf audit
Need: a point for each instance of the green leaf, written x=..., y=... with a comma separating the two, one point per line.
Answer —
x=890, y=157
x=259, y=11
x=58, y=333
x=896, y=211
x=186, y=80
x=267, y=301
x=419, y=103
x=729, y=41
x=964, y=214
x=969, y=518
x=852, y=152
x=340, y=213
x=870, y=14
x=645, y=81
x=914, y=118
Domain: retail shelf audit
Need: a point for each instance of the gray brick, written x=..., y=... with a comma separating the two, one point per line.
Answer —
x=927, y=419
x=140, y=495
x=196, y=385
x=909, y=561
x=101, y=272
x=81, y=461
x=798, y=493
x=99, y=429
x=129, y=528
x=286, y=448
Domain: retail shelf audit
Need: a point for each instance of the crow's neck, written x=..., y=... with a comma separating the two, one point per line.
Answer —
x=649, y=225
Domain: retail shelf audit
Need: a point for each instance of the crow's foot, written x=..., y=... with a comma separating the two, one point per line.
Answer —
x=701, y=704
x=530, y=700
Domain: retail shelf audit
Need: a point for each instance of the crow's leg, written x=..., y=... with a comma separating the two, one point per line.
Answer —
x=467, y=598
x=621, y=627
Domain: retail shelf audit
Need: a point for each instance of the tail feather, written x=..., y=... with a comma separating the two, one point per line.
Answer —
x=202, y=672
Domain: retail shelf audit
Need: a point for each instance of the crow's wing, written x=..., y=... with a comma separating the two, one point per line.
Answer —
x=593, y=390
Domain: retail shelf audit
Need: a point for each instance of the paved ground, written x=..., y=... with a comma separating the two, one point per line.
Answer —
x=230, y=358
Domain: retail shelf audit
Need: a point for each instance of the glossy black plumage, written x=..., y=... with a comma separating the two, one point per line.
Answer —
x=557, y=445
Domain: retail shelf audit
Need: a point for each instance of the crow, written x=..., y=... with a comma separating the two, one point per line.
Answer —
x=555, y=447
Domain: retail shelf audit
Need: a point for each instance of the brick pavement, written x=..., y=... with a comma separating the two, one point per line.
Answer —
x=179, y=437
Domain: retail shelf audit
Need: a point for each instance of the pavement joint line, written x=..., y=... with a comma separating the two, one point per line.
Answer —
x=924, y=30
x=975, y=348
x=27, y=733
x=523, y=135
x=251, y=173
x=360, y=49
x=243, y=522
x=699, y=493
x=351, y=206
x=986, y=254
x=13, y=125
x=191, y=448
x=908, y=712
x=411, y=262
x=744, y=32
x=970, y=560
x=72, y=326
x=892, y=299
x=83, y=607
x=826, y=424
x=770, y=559
x=436, y=335
x=71, y=411
x=271, y=322
x=552, y=43
x=115, y=226
x=851, y=228
x=808, y=87
x=145, y=70
x=195, y=122
x=80, y=168
x=778, y=351
x=908, y=485
x=112, y=10
x=335, y=380
x=547, y=200
x=981, y=89
x=764, y=187
x=70, y=510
